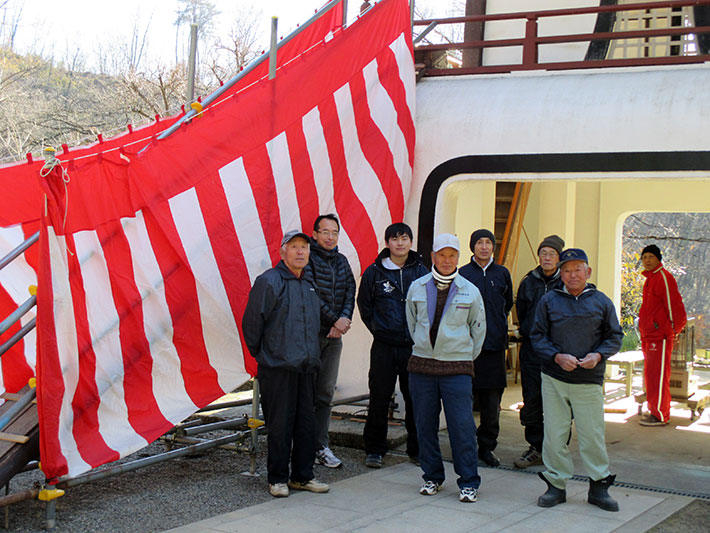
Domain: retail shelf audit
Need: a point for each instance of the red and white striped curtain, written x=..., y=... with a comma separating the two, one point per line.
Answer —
x=146, y=259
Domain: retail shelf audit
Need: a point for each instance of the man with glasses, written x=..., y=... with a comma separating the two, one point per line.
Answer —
x=536, y=283
x=334, y=280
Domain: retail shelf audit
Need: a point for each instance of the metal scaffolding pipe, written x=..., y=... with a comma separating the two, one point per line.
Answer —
x=17, y=408
x=17, y=497
x=273, y=48
x=223, y=405
x=18, y=313
x=140, y=463
x=24, y=330
x=225, y=424
x=191, y=63
x=251, y=66
x=350, y=400
x=17, y=251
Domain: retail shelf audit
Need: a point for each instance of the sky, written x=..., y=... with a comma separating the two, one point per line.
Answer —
x=52, y=28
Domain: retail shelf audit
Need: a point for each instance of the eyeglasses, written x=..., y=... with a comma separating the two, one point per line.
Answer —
x=327, y=233
x=548, y=254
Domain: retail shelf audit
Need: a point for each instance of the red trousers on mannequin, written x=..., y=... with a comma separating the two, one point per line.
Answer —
x=657, y=375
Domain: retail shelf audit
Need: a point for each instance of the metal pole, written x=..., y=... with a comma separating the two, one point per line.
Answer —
x=255, y=431
x=17, y=336
x=51, y=516
x=18, y=497
x=345, y=13
x=235, y=423
x=19, y=405
x=191, y=63
x=411, y=13
x=17, y=314
x=18, y=250
x=274, y=47
x=224, y=405
x=135, y=465
x=230, y=83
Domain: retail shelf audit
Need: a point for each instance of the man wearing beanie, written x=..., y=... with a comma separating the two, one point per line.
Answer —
x=536, y=283
x=489, y=379
x=447, y=323
x=661, y=318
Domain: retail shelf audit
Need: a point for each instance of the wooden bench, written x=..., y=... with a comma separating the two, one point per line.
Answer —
x=627, y=361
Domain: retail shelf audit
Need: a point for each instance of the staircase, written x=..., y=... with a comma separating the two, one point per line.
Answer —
x=511, y=202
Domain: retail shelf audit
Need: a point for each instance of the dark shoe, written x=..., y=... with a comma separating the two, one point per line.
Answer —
x=552, y=496
x=599, y=494
x=651, y=420
x=488, y=457
x=531, y=457
x=373, y=460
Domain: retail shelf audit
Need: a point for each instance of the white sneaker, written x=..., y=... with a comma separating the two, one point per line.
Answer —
x=468, y=495
x=279, y=490
x=327, y=458
x=312, y=485
x=429, y=488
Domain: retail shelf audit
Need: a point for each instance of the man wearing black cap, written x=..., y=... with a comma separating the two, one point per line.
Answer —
x=575, y=331
x=661, y=318
x=536, y=283
x=489, y=381
x=280, y=324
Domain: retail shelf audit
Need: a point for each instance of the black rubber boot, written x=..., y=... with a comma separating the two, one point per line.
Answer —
x=599, y=494
x=552, y=496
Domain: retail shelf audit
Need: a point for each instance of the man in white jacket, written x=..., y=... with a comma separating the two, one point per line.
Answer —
x=447, y=321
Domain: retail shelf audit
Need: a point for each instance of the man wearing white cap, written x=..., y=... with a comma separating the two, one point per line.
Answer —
x=447, y=323
x=280, y=324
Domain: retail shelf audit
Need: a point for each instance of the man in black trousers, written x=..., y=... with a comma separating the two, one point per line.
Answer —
x=489, y=379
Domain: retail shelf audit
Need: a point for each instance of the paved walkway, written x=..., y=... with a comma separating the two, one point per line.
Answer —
x=388, y=500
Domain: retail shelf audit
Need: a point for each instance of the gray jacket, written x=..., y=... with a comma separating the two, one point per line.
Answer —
x=463, y=322
x=281, y=321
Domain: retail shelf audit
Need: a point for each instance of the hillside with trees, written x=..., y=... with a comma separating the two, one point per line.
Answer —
x=48, y=101
x=684, y=240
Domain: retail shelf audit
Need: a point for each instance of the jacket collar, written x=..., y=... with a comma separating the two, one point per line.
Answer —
x=475, y=264
x=322, y=252
x=648, y=273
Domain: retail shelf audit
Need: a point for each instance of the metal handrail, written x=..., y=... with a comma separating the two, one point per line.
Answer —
x=562, y=12
x=24, y=330
x=16, y=252
x=530, y=41
x=18, y=313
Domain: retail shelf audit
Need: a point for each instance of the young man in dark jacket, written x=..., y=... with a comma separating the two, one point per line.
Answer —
x=331, y=273
x=280, y=325
x=575, y=331
x=536, y=283
x=489, y=379
x=381, y=300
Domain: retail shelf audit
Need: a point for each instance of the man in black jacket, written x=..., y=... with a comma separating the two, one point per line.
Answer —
x=575, y=331
x=489, y=379
x=333, y=277
x=544, y=278
x=280, y=325
x=381, y=300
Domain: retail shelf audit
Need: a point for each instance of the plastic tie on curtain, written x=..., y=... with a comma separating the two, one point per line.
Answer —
x=197, y=106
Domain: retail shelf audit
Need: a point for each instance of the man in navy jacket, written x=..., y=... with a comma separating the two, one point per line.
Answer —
x=489, y=379
x=575, y=331
x=381, y=301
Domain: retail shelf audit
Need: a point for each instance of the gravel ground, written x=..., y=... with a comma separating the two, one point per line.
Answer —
x=165, y=495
